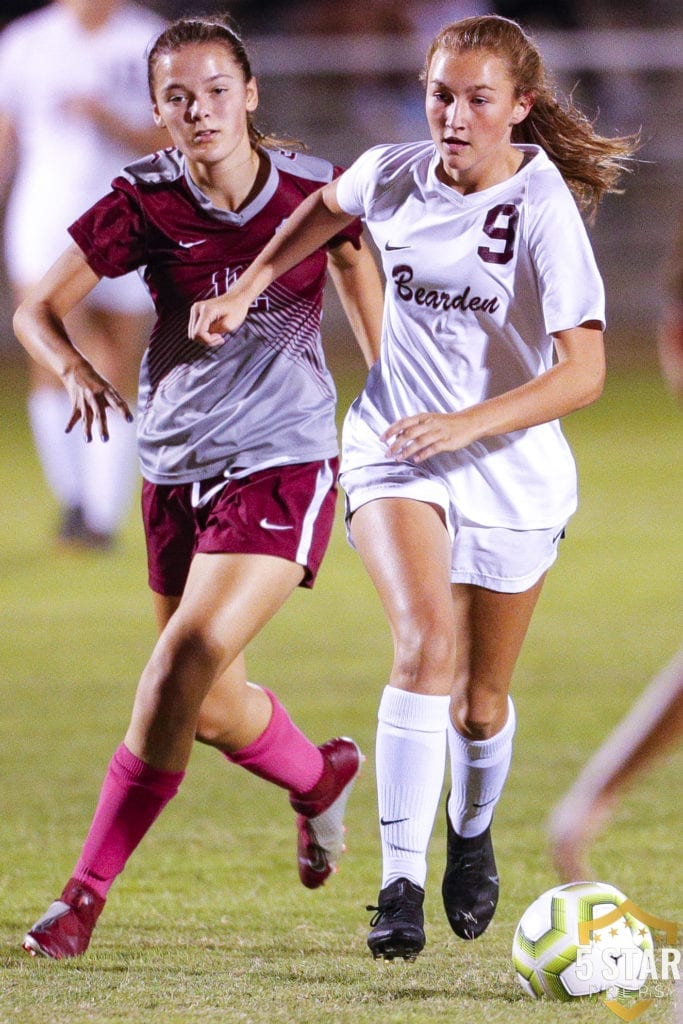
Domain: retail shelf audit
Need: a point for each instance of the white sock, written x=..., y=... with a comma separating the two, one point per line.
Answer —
x=479, y=769
x=49, y=410
x=109, y=474
x=410, y=759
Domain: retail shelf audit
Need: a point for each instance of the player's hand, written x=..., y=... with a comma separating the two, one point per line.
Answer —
x=212, y=319
x=91, y=396
x=418, y=437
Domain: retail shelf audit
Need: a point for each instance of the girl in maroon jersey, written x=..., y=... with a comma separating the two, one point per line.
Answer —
x=237, y=447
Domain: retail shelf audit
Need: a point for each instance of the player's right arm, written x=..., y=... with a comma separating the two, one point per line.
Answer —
x=312, y=224
x=39, y=326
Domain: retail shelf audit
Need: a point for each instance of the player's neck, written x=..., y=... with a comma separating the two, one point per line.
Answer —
x=229, y=185
x=487, y=173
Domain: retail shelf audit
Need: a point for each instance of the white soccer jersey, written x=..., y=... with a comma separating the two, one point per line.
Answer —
x=476, y=284
x=64, y=163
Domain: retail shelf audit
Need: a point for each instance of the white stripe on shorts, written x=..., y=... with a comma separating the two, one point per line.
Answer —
x=322, y=486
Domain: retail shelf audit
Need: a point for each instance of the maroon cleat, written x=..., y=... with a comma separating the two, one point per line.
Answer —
x=65, y=929
x=320, y=813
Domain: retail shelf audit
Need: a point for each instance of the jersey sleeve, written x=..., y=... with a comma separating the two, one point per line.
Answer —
x=357, y=183
x=570, y=285
x=352, y=232
x=112, y=234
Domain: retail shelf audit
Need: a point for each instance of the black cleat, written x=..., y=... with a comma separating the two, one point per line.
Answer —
x=470, y=883
x=397, y=928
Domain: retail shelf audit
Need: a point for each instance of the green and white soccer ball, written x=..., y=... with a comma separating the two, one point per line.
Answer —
x=550, y=960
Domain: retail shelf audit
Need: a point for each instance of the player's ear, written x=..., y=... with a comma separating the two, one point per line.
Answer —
x=522, y=107
x=158, y=119
x=252, y=95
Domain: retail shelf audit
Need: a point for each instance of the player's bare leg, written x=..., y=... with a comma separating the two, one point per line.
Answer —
x=406, y=550
x=226, y=601
x=250, y=726
x=319, y=786
x=491, y=628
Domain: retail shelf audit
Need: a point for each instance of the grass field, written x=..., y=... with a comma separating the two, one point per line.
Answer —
x=209, y=922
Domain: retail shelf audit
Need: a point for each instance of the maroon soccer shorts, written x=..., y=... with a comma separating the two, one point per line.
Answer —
x=286, y=511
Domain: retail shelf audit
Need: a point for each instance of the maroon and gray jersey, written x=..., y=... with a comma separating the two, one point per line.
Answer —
x=263, y=398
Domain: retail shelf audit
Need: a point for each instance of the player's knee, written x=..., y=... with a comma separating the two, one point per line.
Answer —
x=423, y=654
x=209, y=730
x=182, y=666
x=481, y=716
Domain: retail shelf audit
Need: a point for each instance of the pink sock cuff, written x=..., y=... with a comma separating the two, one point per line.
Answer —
x=282, y=754
x=261, y=744
x=137, y=771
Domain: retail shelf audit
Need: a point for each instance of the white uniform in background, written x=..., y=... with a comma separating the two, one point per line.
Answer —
x=63, y=163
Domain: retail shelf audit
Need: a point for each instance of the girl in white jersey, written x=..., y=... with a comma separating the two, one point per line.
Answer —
x=72, y=111
x=458, y=477
x=237, y=445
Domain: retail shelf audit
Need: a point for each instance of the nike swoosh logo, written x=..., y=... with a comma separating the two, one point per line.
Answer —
x=487, y=802
x=317, y=861
x=265, y=525
x=191, y=245
x=388, y=247
x=392, y=821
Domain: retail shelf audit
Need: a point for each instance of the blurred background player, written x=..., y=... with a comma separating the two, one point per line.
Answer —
x=655, y=722
x=74, y=108
x=650, y=729
x=670, y=333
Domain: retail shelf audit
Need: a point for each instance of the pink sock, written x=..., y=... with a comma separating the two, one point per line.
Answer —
x=133, y=796
x=282, y=754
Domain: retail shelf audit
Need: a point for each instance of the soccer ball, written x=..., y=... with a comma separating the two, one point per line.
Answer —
x=550, y=959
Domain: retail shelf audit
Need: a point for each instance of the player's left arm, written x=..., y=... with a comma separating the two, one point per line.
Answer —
x=359, y=286
x=576, y=380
